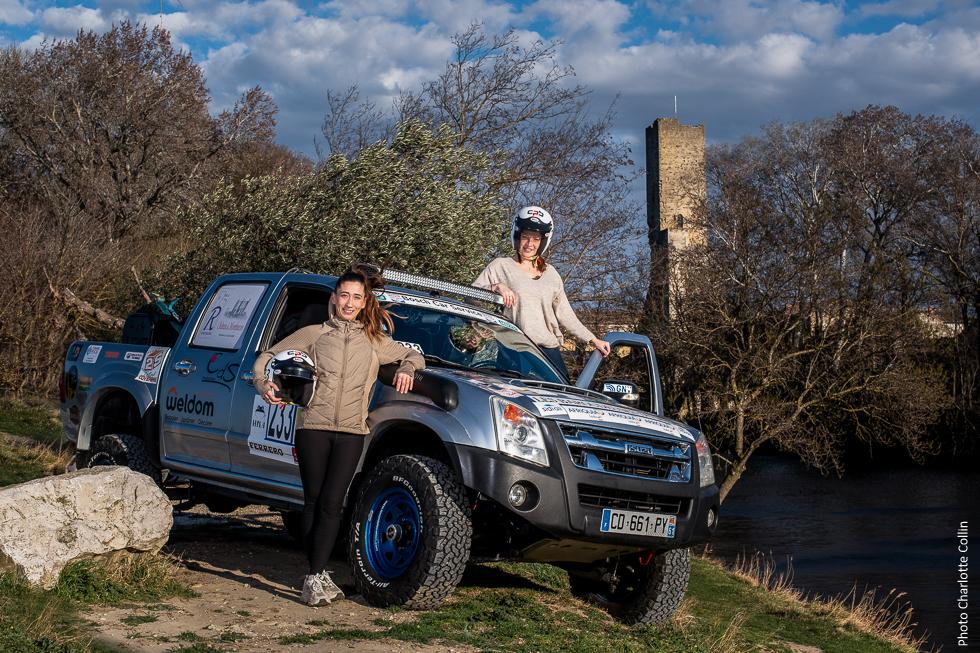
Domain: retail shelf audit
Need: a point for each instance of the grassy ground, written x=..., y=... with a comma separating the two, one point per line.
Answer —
x=36, y=621
x=32, y=620
x=536, y=612
x=38, y=422
x=30, y=442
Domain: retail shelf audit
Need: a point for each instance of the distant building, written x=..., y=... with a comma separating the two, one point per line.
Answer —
x=676, y=189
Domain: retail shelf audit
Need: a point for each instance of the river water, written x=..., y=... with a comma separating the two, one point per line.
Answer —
x=891, y=527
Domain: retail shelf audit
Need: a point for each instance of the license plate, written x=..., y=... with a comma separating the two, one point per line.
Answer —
x=637, y=523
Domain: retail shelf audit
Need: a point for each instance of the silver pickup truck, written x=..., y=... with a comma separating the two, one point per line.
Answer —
x=492, y=456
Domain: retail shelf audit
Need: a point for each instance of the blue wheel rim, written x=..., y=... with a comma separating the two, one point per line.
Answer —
x=392, y=532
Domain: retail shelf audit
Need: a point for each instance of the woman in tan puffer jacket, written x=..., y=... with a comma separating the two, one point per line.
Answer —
x=347, y=349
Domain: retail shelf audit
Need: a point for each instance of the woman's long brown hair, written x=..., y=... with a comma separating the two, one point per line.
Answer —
x=372, y=315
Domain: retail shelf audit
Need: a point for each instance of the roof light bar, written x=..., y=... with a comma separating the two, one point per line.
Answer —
x=419, y=281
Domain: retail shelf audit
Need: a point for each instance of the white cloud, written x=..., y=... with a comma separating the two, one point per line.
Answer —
x=33, y=42
x=735, y=65
x=905, y=8
x=733, y=89
x=354, y=9
x=452, y=16
x=13, y=12
x=596, y=20
x=67, y=21
x=748, y=20
x=298, y=61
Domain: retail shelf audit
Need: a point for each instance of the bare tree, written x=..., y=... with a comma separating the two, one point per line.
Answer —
x=517, y=104
x=351, y=124
x=248, y=147
x=104, y=139
x=115, y=127
x=947, y=232
x=799, y=324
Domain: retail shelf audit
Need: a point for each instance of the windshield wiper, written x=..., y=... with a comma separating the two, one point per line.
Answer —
x=442, y=361
x=496, y=370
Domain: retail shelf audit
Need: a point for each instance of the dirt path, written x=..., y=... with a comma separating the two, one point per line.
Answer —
x=246, y=571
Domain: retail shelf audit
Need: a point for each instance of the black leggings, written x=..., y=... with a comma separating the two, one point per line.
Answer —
x=327, y=460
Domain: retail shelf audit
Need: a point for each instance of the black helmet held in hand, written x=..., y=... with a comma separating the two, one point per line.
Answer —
x=294, y=373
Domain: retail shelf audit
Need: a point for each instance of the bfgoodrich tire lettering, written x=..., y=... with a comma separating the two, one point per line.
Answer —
x=124, y=450
x=437, y=534
x=645, y=595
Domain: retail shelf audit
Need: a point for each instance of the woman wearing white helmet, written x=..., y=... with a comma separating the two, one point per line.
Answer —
x=533, y=291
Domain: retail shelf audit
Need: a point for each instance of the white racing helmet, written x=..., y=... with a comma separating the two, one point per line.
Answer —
x=533, y=218
x=295, y=374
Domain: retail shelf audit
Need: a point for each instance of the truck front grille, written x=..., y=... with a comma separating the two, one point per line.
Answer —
x=591, y=496
x=628, y=454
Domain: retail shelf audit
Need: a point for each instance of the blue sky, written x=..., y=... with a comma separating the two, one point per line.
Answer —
x=733, y=64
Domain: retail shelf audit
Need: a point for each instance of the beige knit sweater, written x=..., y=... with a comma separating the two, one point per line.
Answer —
x=541, y=303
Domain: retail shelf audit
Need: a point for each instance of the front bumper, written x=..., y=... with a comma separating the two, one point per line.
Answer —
x=559, y=511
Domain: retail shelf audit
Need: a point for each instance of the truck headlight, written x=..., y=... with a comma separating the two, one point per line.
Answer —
x=704, y=461
x=519, y=433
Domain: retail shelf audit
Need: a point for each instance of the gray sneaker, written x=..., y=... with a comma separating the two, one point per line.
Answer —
x=330, y=588
x=319, y=589
x=307, y=595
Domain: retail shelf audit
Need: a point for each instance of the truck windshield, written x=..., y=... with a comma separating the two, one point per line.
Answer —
x=471, y=343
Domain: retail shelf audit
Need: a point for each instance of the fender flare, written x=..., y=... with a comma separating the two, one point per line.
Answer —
x=110, y=385
x=445, y=426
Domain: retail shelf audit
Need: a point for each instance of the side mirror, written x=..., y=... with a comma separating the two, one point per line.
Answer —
x=625, y=392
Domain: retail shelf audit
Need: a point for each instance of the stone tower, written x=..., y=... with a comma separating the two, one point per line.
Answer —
x=675, y=191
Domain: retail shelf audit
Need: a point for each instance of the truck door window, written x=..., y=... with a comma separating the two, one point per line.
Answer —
x=626, y=366
x=302, y=307
x=223, y=322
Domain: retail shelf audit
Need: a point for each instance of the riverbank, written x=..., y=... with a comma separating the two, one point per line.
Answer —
x=242, y=569
x=880, y=526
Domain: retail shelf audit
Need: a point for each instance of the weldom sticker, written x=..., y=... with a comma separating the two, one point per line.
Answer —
x=272, y=431
x=92, y=354
x=134, y=356
x=152, y=364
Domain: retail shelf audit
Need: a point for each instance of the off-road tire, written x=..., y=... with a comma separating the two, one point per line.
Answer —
x=124, y=450
x=657, y=588
x=445, y=534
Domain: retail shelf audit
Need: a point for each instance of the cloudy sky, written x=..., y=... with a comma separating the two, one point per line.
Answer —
x=734, y=65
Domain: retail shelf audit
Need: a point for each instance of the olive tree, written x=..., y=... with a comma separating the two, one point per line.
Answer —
x=419, y=202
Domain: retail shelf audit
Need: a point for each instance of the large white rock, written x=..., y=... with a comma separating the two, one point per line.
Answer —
x=48, y=522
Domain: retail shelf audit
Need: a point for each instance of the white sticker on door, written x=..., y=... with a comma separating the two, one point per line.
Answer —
x=272, y=431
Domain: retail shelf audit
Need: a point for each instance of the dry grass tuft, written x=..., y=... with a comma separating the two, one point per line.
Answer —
x=23, y=459
x=728, y=642
x=889, y=618
x=121, y=577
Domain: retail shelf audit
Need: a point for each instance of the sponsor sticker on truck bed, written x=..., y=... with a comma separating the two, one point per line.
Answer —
x=92, y=353
x=152, y=364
